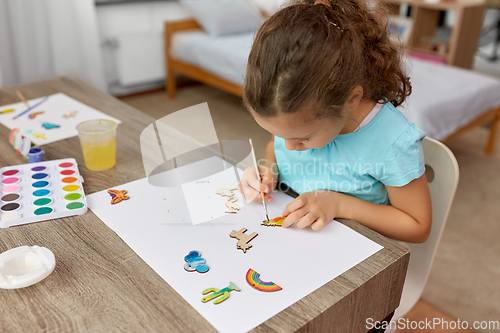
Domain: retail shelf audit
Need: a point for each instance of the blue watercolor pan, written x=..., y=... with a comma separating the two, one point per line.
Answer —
x=41, y=183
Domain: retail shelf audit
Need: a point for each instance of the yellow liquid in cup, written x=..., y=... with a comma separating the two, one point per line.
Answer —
x=99, y=155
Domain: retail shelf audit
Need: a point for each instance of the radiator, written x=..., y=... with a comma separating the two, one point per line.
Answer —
x=140, y=58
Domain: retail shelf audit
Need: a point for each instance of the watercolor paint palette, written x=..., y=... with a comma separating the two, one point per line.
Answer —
x=40, y=191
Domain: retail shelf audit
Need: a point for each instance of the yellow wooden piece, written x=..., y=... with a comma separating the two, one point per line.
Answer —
x=38, y=135
x=276, y=222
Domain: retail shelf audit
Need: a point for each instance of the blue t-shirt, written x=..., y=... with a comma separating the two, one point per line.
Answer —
x=387, y=151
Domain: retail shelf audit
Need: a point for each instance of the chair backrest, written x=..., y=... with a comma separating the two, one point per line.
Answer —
x=442, y=176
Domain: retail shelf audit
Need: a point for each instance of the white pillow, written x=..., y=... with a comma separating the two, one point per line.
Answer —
x=224, y=17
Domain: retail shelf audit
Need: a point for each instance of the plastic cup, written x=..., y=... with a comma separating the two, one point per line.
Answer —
x=98, y=141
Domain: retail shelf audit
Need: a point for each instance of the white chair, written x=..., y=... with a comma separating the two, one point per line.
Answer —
x=442, y=176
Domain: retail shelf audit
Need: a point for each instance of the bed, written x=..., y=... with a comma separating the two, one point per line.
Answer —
x=446, y=101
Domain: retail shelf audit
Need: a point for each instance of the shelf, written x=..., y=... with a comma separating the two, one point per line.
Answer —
x=438, y=5
x=429, y=53
x=464, y=34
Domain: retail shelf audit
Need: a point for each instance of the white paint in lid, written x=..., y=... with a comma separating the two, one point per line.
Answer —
x=24, y=266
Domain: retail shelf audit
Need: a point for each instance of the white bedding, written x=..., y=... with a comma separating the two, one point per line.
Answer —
x=223, y=56
x=444, y=98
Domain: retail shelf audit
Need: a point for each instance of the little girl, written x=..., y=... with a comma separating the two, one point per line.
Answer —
x=324, y=79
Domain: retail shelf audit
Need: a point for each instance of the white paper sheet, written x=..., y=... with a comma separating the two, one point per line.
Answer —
x=54, y=108
x=202, y=199
x=155, y=223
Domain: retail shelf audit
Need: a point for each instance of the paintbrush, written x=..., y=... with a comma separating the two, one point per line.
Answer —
x=258, y=177
x=21, y=97
x=32, y=107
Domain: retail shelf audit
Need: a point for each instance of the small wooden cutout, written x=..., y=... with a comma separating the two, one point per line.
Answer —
x=230, y=204
x=243, y=239
x=226, y=192
x=34, y=114
x=70, y=114
x=276, y=222
x=194, y=262
x=218, y=293
x=118, y=195
x=253, y=279
x=38, y=135
x=50, y=126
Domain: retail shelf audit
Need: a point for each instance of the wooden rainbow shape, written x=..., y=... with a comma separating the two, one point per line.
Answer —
x=255, y=282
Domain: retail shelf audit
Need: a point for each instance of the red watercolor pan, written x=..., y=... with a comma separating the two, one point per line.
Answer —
x=67, y=172
x=10, y=172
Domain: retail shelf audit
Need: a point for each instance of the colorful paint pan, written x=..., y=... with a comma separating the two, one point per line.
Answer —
x=253, y=279
x=10, y=197
x=43, y=210
x=75, y=205
x=41, y=175
x=41, y=183
x=69, y=180
x=53, y=190
x=11, y=180
x=10, y=216
x=42, y=202
x=73, y=196
x=10, y=189
x=71, y=188
x=41, y=193
x=10, y=173
x=10, y=207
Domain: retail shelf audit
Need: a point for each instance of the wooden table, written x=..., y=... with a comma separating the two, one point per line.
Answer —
x=100, y=285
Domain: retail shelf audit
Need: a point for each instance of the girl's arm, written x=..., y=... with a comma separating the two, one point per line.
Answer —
x=408, y=218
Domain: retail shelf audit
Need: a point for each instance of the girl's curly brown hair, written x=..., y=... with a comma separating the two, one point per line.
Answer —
x=312, y=56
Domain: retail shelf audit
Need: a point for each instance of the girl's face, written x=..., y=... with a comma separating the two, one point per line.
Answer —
x=301, y=130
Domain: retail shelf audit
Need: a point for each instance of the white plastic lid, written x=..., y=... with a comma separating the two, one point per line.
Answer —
x=24, y=266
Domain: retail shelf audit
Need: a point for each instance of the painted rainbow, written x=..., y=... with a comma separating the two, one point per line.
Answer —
x=254, y=281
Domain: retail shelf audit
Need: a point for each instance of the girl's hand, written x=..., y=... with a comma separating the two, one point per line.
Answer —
x=312, y=208
x=250, y=186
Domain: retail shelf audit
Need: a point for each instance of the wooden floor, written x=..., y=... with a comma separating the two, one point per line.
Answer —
x=424, y=310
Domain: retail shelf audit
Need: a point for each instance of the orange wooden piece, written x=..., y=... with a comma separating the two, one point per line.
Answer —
x=118, y=195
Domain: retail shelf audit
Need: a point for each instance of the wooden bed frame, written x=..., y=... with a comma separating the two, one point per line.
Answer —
x=176, y=66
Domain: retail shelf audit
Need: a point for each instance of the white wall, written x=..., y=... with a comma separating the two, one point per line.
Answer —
x=114, y=20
